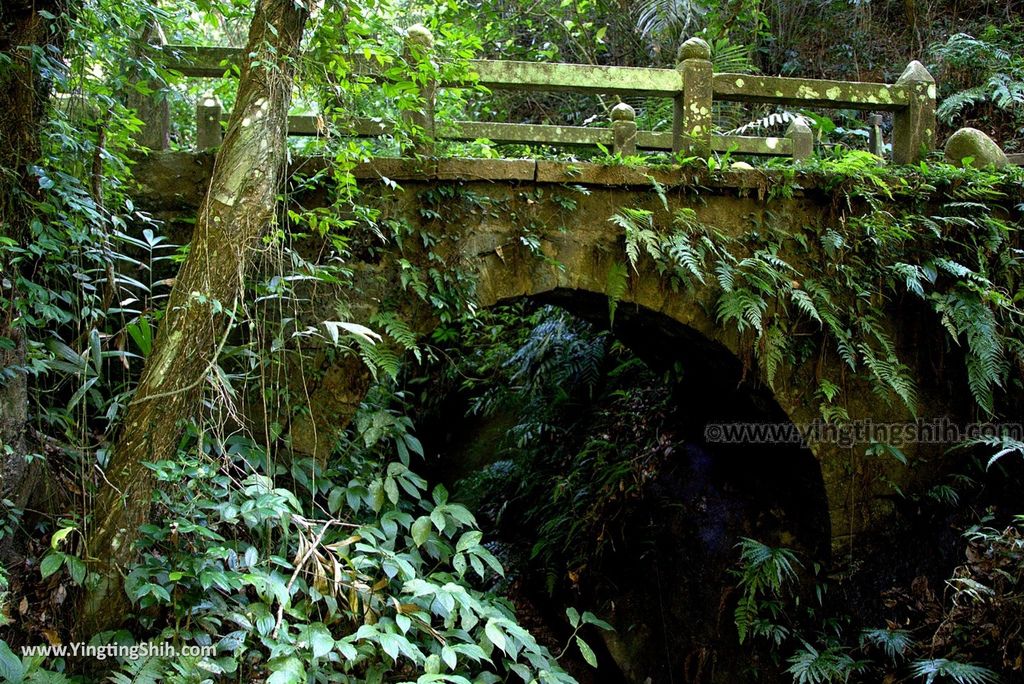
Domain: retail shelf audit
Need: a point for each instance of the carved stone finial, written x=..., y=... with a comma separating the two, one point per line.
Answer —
x=915, y=71
x=418, y=34
x=210, y=99
x=694, y=48
x=798, y=125
x=623, y=112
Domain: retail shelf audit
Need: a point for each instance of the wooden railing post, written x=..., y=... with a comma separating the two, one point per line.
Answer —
x=418, y=44
x=623, y=130
x=913, y=130
x=876, y=145
x=803, y=140
x=209, y=133
x=149, y=97
x=691, y=125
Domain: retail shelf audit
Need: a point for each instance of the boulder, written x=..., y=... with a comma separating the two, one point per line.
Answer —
x=970, y=142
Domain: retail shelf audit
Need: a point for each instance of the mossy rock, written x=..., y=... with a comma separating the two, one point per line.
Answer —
x=970, y=142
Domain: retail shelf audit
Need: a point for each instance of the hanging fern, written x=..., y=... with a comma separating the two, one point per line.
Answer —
x=965, y=316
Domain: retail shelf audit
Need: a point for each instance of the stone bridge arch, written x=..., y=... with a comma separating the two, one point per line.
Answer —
x=525, y=228
x=665, y=326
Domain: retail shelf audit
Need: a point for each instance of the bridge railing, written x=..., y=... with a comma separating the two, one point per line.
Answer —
x=692, y=86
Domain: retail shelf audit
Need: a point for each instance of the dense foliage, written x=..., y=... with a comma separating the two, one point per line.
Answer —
x=352, y=567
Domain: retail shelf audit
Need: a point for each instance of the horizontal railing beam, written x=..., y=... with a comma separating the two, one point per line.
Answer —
x=201, y=62
x=546, y=134
x=577, y=78
x=212, y=62
x=808, y=92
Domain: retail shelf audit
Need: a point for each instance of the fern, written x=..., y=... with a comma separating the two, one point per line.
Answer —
x=744, y=308
x=961, y=673
x=964, y=315
x=773, y=120
x=398, y=330
x=772, y=351
x=666, y=20
x=804, y=303
x=832, y=664
x=895, y=642
x=1005, y=445
x=147, y=670
x=615, y=287
x=641, y=237
x=993, y=75
x=765, y=574
x=684, y=257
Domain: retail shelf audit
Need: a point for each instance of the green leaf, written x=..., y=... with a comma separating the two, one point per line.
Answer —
x=573, y=615
x=421, y=530
x=588, y=653
x=591, y=619
x=11, y=668
x=449, y=657
x=391, y=488
x=76, y=568
x=51, y=563
x=286, y=671
x=494, y=635
x=469, y=540
x=59, y=536
x=320, y=639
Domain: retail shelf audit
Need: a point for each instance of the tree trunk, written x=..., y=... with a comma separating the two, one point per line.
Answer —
x=23, y=95
x=238, y=206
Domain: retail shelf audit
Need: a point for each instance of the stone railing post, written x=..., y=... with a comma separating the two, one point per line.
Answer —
x=209, y=133
x=419, y=42
x=803, y=140
x=691, y=124
x=876, y=145
x=149, y=97
x=623, y=130
x=913, y=131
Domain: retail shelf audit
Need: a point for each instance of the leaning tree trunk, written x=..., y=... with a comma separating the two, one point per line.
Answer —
x=238, y=206
x=23, y=95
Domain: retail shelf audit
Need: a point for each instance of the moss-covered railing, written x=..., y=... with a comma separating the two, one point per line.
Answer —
x=693, y=86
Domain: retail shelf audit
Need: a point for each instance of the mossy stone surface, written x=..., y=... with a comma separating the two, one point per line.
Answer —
x=974, y=144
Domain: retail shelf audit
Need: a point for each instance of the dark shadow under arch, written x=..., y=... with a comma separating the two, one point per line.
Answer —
x=668, y=590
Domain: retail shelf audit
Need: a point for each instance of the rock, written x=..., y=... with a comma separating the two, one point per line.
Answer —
x=970, y=142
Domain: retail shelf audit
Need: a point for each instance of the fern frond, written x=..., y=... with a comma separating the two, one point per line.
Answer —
x=961, y=673
x=895, y=642
x=615, y=287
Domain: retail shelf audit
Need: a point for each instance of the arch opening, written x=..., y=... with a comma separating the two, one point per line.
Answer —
x=673, y=507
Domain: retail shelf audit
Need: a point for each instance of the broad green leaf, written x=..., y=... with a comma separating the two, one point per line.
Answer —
x=588, y=653
x=320, y=639
x=286, y=671
x=494, y=635
x=421, y=530
x=51, y=563
x=11, y=668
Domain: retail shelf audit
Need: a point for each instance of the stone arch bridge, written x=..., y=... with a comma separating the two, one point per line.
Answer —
x=524, y=228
